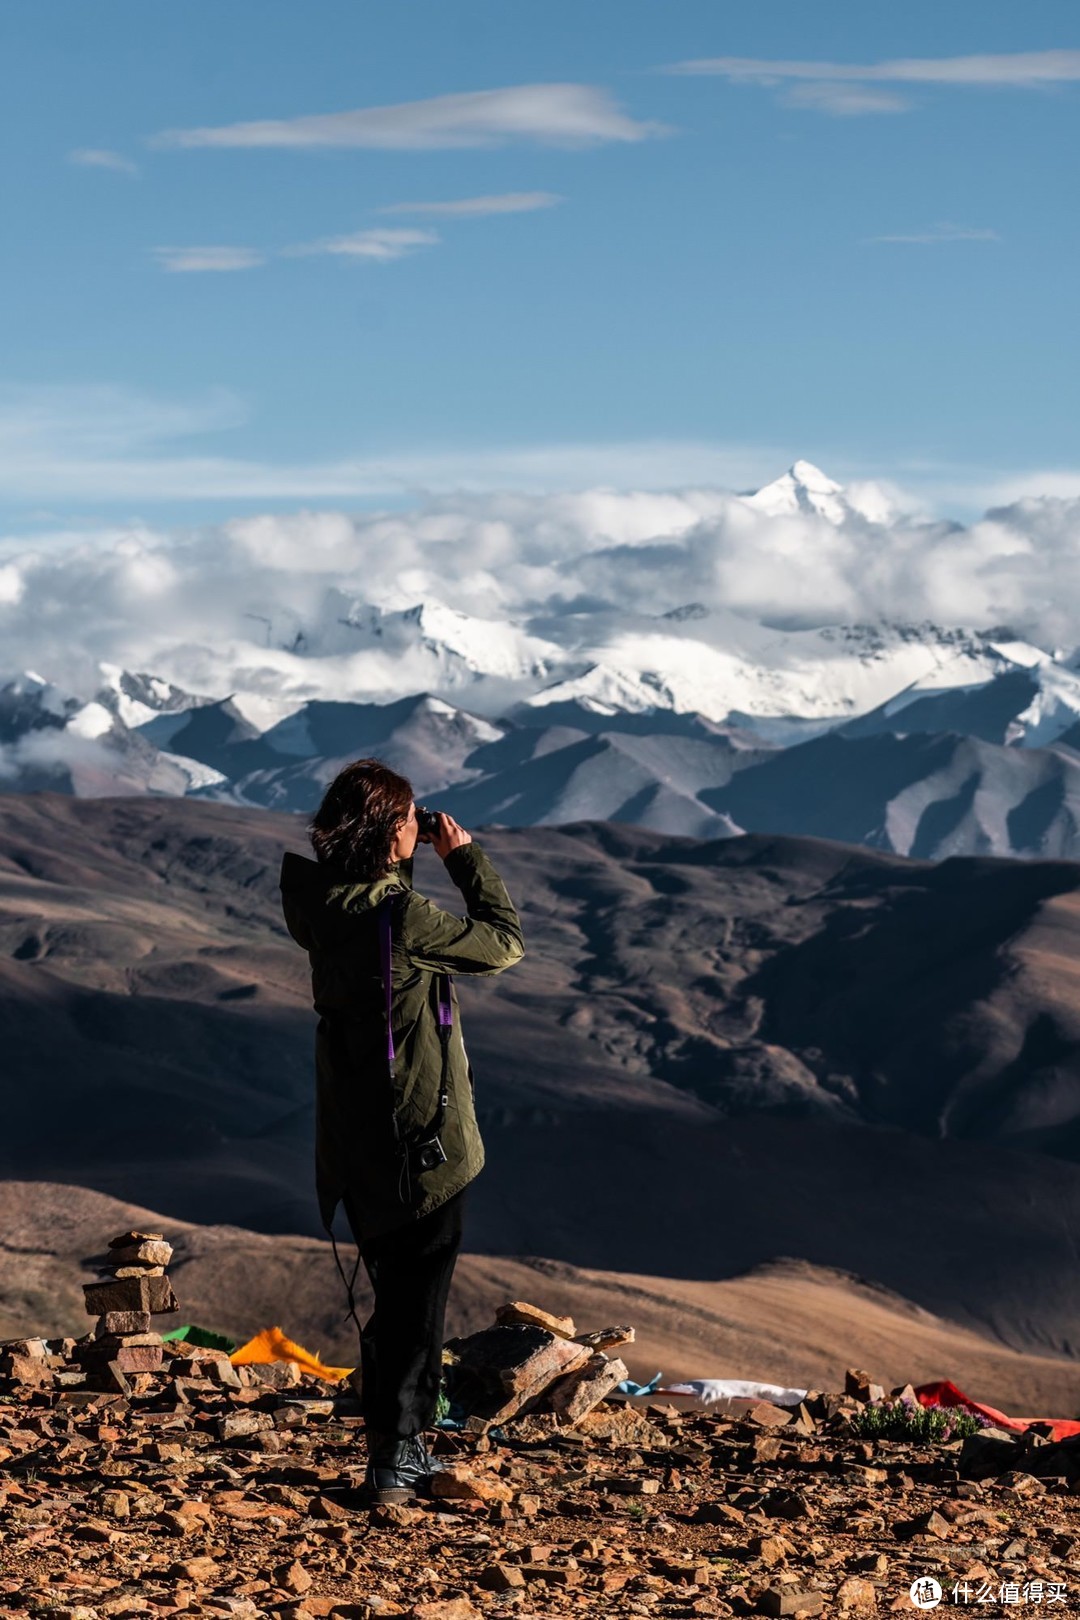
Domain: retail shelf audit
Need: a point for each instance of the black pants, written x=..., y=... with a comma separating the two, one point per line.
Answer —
x=401, y=1342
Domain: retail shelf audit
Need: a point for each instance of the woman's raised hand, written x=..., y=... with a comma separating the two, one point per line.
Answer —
x=449, y=836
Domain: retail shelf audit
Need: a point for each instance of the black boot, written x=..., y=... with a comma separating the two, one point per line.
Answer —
x=397, y=1469
x=432, y=1465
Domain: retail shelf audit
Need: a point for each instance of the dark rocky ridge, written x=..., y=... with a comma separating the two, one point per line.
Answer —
x=991, y=768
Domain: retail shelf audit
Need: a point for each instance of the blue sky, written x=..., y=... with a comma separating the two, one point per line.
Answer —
x=865, y=255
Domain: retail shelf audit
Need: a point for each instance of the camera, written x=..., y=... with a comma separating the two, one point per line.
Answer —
x=427, y=820
x=427, y=1155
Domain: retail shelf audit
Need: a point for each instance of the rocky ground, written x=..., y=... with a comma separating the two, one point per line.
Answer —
x=240, y=1499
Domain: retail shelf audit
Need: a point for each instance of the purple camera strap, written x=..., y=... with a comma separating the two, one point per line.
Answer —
x=446, y=1005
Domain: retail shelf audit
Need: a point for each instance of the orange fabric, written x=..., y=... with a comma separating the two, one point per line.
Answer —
x=945, y=1393
x=272, y=1345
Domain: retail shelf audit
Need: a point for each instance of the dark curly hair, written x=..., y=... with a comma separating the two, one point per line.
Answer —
x=355, y=824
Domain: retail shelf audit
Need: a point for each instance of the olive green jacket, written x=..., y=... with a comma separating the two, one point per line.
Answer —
x=358, y=1160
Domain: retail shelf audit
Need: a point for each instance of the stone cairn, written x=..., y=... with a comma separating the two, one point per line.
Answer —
x=531, y=1362
x=133, y=1288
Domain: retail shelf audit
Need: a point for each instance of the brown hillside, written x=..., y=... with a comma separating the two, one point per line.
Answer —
x=713, y=1054
x=788, y=1322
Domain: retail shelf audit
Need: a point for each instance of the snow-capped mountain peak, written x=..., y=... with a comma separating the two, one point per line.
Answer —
x=803, y=488
x=603, y=689
x=481, y=646
x=32, y=690
x=29, y=703
x=136, y=697
x=439, y=645
x=812, y=478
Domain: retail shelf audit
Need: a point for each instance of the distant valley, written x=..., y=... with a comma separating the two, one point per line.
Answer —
x=716, y=1052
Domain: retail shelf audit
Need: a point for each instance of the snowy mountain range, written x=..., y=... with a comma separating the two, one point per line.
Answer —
x=917, y=736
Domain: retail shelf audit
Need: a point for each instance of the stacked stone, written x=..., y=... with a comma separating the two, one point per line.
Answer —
x=529, y=1361
x=132, y=1289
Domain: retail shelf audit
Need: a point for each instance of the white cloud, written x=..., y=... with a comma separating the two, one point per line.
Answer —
x=49, y=424
x=88, y=445
x=382, y=243
x=218, y=608
x=1059, y=483
x=11, y=584
x=100, y=157
x=844, y=87
x=67, y=473
x=544, y=114
x=53, y=752
x=195, y=260
x=1023, y=69
x=845, y=100
x=510, y=202
x=942, y=233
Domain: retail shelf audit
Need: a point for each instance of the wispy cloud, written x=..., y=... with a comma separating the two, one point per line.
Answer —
x=845, y=100
x=508, y=202
x=544, y=114
x=87, y=447
x=821, y=85
x=99, y=157
x=1026, y=69
x=100, y=421
x=941, y=233
x=110, y=445
x=194, y=260
x=382, y=243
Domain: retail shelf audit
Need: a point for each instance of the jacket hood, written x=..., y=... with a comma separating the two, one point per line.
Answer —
x=320, y=901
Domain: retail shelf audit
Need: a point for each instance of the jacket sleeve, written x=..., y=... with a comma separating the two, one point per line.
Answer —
x=487, y=940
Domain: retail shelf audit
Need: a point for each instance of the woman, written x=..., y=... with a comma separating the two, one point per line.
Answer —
x=396, y=1135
